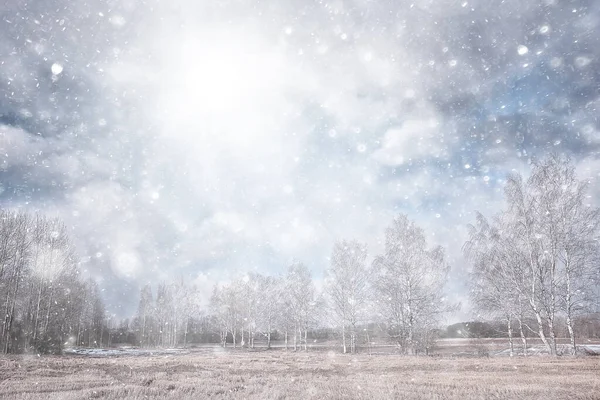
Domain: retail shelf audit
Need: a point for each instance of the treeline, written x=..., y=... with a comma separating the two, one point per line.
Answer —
x=536, y=264
x=166, y=320
x=535, y=270
x=401, y=293
x=44, y=301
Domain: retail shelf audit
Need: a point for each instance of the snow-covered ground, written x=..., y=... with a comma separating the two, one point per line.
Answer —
x=122, y=351
x=591, y=349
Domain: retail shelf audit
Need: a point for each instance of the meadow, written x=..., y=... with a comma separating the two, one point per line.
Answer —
x=218, y=373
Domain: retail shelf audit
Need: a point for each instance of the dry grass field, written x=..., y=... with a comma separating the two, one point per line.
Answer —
x=230, y=374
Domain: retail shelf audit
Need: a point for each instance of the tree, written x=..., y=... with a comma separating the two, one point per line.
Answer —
x=300, y=294
x=498, y=275
x=347, y=287
x=409, y=284
x=270, y=305
x=145, y=316
x=226, y=305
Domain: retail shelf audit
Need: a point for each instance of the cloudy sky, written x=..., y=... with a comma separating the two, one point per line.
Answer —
x=202, y=139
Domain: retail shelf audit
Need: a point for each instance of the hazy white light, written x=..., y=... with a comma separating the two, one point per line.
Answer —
x=219, y=76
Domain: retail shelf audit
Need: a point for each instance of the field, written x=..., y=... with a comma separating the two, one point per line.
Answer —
x=276, y=374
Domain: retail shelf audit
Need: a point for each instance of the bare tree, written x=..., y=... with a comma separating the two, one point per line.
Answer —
x=498, y=276
x=145, y=316
x=347, y=286
x=409, y=284
x=270, y=305
x=226, y=304
x=300, y=292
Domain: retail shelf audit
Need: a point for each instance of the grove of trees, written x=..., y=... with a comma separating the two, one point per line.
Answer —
x=44, y=301
x=537, y=262
x=401, y=294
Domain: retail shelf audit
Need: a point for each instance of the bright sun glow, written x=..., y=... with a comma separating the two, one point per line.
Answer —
x=218, y=77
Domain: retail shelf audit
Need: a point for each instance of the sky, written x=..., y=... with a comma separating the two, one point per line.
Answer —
x=203, y=139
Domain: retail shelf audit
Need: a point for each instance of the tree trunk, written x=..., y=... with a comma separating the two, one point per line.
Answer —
x=344, y=337
x=295, y=338
x=551, y=308
x=48, y=311
x=523, y=337
x=538, y=318
x=510, y=337
x=185, y=332
x=305, y=339
x=569, y=298
x=37, y=314
x=550, y=319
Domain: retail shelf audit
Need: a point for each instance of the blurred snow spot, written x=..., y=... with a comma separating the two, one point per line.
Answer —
x=522, y=50
x=288, y=189
x=322, y=49
x=56, y=69
x=556, y=62
x=117, y=20
x=582, y=61
x=25, y=113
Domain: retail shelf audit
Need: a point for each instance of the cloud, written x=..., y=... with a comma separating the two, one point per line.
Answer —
x=414, y=140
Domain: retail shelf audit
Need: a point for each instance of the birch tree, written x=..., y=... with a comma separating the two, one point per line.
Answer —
x=145, y=316
x=270, y=305
x=409, y=284
x=498, y=276
x=301, y=297
x=347, y=284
